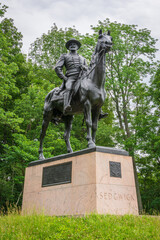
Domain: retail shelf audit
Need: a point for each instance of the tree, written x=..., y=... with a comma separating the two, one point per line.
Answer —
x=149, y=136
x=12, y=67
x=8, y=68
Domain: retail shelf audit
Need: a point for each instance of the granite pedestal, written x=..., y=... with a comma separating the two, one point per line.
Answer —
x=97, y=180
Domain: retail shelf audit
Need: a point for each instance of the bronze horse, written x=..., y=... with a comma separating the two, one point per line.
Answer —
x=88, y=97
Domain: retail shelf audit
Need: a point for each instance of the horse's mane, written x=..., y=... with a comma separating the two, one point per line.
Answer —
x=92, y=62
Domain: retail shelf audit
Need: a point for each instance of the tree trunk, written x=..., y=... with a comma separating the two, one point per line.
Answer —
x=140, y=208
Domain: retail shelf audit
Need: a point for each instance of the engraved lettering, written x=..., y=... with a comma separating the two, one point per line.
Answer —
x=105, y=196
x=116, y=196
x=109, y=196
x=101, y=195
x=120, y=197
x=128, y=197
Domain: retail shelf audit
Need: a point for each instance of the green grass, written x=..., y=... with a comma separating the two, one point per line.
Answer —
x=15, y=226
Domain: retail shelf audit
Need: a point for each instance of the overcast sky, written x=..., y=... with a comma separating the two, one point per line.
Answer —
x=35, y=17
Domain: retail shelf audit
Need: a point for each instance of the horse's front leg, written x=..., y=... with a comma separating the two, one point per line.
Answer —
x=95, y=117
x=46, y=119
x=87, y=108
x=68, y=126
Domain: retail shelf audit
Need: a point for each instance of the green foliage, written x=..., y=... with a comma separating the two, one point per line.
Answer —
x=12, y=67
x=155, y=88
x=148, y=139
x=3, y=9
x=88, y=227
x=105, y=135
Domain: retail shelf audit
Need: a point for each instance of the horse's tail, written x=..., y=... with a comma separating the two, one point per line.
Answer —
x=49, y=96
x=48, y=102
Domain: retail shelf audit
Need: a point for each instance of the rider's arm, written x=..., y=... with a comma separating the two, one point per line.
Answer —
x=59, y=67
x=85, y=62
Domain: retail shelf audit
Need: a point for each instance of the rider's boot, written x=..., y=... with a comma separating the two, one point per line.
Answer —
x=102, y=114
x=67, y=106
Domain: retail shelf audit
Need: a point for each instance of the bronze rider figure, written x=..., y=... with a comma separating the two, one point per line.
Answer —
x=75, y=65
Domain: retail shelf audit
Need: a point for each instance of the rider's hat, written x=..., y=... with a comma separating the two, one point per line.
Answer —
x=74, y=41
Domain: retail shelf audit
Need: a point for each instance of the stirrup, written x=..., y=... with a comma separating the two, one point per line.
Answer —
x=103, y=115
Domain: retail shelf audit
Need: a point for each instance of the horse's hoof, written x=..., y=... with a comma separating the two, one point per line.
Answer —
x=41, y=156
x=91, y=144
x=69, y=150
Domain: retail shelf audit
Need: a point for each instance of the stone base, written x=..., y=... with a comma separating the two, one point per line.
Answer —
x=102, y=181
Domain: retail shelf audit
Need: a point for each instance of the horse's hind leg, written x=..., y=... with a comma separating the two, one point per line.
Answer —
x=46, y=119
x=87, y=108
x=95, y=117
x=68, y=126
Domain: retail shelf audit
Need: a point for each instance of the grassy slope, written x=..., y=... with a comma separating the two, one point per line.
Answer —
x=89, y=227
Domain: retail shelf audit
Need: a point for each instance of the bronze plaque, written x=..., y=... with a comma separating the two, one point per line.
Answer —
x=115, y=169
x=57, y=174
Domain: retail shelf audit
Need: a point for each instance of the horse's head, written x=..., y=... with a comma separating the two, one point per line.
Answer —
x=104, y=42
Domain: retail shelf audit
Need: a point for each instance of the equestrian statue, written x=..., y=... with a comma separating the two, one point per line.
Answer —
x=82, y=90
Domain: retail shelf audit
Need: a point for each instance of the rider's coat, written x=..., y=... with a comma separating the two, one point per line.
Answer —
x=73, y=64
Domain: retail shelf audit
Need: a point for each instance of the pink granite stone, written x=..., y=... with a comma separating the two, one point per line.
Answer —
x=92, y=188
